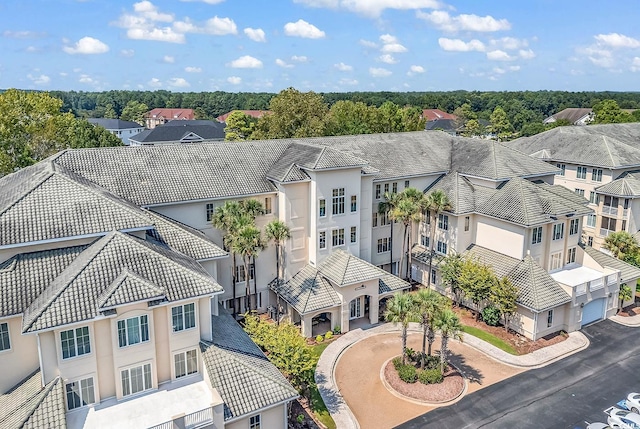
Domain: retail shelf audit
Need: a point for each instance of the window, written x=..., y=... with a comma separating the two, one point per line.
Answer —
x=573, y=226
x=5, y=344
x=406, y=184
x=136, y=379
x=611, y=201
x=386, y=188
x=240, y=273
x=133, y=331
x=355, y=308
x=536, y=235
x=442, y=247
x=80, y=393
x=424, y=240
x=624, y=225
x=210, y=212
x=384, y=219
x=433, y=276
x=549, y=318
x=394, y=187
x=383, y=244
x=427, y=217
x=254, y=422
x=337, y=237
x=571, y=255
x=354, y=203
x=374, y=220
x=322, y=239
x=558, y=231
x=626, y=203
x=556, y=261
x=378, y=191
x=593, y=198
x=186, y=363
x=608, y=223
x=354, y=236
x=562, y=168
x=183, y=317
x=267, y=205
x=75, y=342
x=591, y=220
x=466, y=223
x=581, y=173
x=338, y=201
x=580, y=192
x=596, y=175
x=443, y=222
x=322, y=205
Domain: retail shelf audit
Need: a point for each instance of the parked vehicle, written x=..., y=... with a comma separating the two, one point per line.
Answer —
x=597, y=425
x=632, y=403
x=622, y=419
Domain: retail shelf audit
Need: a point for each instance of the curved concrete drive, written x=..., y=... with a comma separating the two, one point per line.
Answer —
x=344, y=418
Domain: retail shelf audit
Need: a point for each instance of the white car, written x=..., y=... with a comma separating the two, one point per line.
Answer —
x=633, y=402
x=622, y=419
x=597, y=425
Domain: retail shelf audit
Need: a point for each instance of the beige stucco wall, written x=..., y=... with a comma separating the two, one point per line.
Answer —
x=271, y=418
x=21, y=359
x=500, y=236
x=106, y=379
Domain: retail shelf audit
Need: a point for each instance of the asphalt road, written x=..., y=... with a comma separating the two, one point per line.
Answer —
x=561, y=395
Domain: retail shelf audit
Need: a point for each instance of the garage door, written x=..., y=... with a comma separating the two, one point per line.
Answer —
x=593, y=311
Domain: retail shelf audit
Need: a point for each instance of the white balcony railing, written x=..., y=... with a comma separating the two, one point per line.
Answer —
x=198, y=418
x=605, y=232
x=165, y=425
x=581, y=289
x=596, y=284
x=610, y=210
x=612, y=279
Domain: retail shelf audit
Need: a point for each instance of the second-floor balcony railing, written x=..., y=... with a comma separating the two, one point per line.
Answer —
x=610, y=210
x=605, y=232
x=612, y=279
x=581, y=289
x=596, y=284
x=193, y=420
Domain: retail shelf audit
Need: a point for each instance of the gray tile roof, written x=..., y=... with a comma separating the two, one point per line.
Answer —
x=609, y=146
x=175, y=131
x=246, y=380
x=308, y=291
x=628, y=272
x=390, y=283
x=423, y=254
x=31, y=406
x=128, y=288
x=571, y=114
x=114, y=124
x=343, y=269
x=626, y=185
x=25, y=276
x=73, y=296
x=537, y=289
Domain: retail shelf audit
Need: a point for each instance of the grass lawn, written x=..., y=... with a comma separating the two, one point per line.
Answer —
x=491, y=339
x=317, y=404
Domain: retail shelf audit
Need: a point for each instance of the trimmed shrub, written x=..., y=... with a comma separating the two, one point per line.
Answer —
x=430, y=376
x=300, y=418
x=491, y=315
x=319, y=339
x=411, y=354
x=432, y=362
x=408, y=373
x=336, y=330
x=397, y=362
x=328, y=335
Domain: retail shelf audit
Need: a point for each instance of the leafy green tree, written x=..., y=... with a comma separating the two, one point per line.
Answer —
x=448, y=324
x=226, y=219
x=294, y=114
x=278, y=232
x=134, y=111
x=532, y=129
x=500, y=124
x=248, y=243
x=504, y=296
x=110, y=112
x=408, y=210
x=472, y=128
x=450, y=269
x=436, y=202
x=621, y=244
x=608, y=112
x=625, y=294
x=347, y=117
x=400, y=310
x=239, y=126
x=476, y=280
x=428, y=305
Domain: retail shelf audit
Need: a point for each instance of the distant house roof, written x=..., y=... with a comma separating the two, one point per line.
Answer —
x=435, y=114
x=114, y=124
x=252, y=113
x=170, y=114
x=571, y=114
x=448, y=125
x=182, y=131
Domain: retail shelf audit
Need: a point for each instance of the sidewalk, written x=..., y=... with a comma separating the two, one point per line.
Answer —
x=344, y=418
x=632, y=321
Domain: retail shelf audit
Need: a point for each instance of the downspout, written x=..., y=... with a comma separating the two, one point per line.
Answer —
x=40, y=360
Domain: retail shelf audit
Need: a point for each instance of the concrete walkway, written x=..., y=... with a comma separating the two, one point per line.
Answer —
x=632, y=321
x=344, y=418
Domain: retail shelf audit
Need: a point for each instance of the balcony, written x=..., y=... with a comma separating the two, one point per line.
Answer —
x=596, y=284
x=605, y=232
x=610, y=210
x=581, y=289
x=612, y=279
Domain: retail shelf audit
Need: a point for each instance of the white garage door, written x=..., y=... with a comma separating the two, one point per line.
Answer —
x=593, y=311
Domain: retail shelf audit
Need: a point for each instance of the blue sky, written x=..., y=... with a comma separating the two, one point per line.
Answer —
x=320, y=45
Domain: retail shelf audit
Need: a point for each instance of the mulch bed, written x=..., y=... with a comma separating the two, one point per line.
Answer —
x=522, y=344
x=450, y=388
x=630, y=310
x=301, y=407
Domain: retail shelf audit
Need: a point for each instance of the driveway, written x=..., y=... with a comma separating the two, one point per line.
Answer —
x=357, y=375
x=561, y=395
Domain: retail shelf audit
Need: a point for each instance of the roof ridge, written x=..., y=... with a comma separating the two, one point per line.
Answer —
x=522, y=198
x=23, y=195
x=119, y=280
x=606, y=145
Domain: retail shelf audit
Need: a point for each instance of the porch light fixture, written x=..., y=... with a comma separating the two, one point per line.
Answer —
x=361, y=287
x=582, y=305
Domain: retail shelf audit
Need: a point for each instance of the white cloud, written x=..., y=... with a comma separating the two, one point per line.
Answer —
x=234, y=80
x=388, y=38
x=22, y=34
x=387, y=58
x=379, y=72
x=178, y=82
x=169, y=59
x=63, y=74
x=615, y=40
x=414, y=69
x=368, y=44
x=345, y=81
x=142, y=24
x=509, y=43
x=299, y=58
x=127, y=53
x=499, y=55
x=599, y=56
x=514, y=68
x=220, y=26
x=255, y=34
x=302, y=28
x=390, y=45
x=246, y=62
x=372, y=8
x=85, y=78
x=283, y=64
x=499, y=70
x=154, y=83
x=457, y=45
x=205, y=1
x=87, y=46
x=343, y=67
x=33, y=49
x=526, y=54
x=149, y=11
x=193, y=69
x=465, y=22
x=165, y=34
x=635, y=64
x=39, y=80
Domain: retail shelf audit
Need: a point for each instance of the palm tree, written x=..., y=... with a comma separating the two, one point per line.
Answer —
x=400, y=309
x=620, y=244
x=411, y=206
x=385, y=208
x=625, y=294
x=248, y=243
x=224, y=219
x=278, y=231
x=437, y=202
x=428, y=305
x=448, y=323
